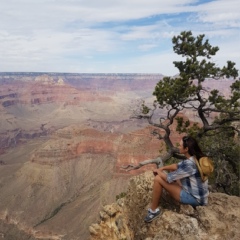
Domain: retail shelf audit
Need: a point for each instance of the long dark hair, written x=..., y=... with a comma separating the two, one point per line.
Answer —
x=193, y=147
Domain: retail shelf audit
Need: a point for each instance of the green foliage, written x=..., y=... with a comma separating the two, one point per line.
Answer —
x=145, y=109
x=187, y=92
x=224, y=149
x=218, y=115
x=229, y=70
x=187, y=45
x=182, y=125
x=186, y=127
x=192, y=48
x=121, y=195
x=173, y=92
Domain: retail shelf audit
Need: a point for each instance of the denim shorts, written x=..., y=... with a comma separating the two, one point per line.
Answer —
x=187, y=198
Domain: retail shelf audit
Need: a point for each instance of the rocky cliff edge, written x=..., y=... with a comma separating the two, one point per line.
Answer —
x=123, y=220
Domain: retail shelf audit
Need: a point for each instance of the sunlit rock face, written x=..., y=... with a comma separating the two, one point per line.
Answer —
x=124, y=218
x=33, y=105
x=63, y=142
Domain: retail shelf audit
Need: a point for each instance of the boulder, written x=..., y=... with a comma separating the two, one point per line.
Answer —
x=220, y=219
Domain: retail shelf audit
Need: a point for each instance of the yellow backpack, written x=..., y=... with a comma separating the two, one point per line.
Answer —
x=205, y=167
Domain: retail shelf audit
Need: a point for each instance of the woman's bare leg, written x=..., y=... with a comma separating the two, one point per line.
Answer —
x=157, y=193
x=160, y=182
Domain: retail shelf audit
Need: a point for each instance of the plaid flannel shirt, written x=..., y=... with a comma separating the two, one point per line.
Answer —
x=188, y=173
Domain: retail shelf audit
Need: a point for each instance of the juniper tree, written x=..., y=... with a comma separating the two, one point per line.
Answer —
x=186, y=92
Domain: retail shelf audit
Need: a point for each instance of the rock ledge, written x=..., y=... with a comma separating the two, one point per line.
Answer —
x=123, y=220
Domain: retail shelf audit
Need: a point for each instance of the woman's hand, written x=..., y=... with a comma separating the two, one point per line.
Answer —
x=160, y=172
x=157, y=171
x=170, y=168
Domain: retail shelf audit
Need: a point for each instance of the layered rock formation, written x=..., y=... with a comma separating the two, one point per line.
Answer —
x=51, y=172
x=124, y=219
x=33, y=105
x=63, y=140
x=59, y=183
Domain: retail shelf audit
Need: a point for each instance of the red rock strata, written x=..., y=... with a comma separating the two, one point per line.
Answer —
x=125, y=148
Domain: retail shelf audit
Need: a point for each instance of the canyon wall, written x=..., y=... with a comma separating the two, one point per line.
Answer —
x=123, y=219
x=63, y=141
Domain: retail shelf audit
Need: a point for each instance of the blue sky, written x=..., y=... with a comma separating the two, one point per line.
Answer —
x=111, y=36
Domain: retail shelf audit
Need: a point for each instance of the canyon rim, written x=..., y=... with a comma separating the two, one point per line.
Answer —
x=63, y=140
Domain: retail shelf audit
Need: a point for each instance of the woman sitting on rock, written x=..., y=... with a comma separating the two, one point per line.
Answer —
x=190, y=189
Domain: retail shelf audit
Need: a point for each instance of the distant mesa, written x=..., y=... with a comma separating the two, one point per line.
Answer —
x=45, y=79
x=60, y=81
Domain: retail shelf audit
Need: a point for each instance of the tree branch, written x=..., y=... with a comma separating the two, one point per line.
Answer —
x=158, y=161
x=216, y=127
x=219, y=111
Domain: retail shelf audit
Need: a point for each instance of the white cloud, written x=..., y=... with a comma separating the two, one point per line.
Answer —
x=221, y=12
x=109, y=35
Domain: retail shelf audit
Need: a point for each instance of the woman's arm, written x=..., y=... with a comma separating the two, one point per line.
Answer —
x=185, y=169
x=172, y=167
